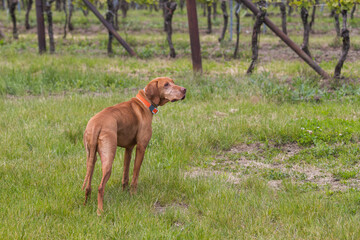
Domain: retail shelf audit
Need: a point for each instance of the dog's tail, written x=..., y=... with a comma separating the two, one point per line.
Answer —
x=90, y=144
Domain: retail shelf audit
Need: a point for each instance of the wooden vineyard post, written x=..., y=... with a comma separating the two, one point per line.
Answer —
x=194, y=35
x=231, y=20
x=110, y=28
x=287, y=40
x=40, y=26
x=169, y=8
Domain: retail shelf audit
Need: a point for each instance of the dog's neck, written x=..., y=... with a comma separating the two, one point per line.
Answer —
x=147, y=102
x=148, y=99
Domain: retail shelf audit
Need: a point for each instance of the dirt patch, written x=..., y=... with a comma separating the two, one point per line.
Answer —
x=270, y=52
x=289, y=149
x=160, y=208
x=249, y=148
x=200, y=172
x=239, y=169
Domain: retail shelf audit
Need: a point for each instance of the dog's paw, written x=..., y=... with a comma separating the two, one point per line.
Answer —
x=133, y=191
x=99, y=212
x=125, y=187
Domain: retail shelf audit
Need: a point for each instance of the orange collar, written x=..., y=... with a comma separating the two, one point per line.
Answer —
x=152, y=108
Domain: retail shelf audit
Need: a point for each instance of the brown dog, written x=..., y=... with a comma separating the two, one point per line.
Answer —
x=126, y=124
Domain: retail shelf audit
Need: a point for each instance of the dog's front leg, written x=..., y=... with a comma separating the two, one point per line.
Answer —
x=140, y=152
x=127, y=159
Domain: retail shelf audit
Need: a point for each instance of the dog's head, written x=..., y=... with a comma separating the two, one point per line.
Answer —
x=162, y=90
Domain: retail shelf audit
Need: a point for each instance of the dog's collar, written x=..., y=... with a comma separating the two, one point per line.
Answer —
x=152, y=108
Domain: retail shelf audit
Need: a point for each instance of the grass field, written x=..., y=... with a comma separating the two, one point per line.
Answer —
x=274, y=155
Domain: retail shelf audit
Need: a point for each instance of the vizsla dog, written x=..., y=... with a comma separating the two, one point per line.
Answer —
x=125, y=125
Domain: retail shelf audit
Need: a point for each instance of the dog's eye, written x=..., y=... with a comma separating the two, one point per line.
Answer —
x=166, y=84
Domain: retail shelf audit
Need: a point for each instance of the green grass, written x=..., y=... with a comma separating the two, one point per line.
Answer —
x=192, y=185
x=43, y=165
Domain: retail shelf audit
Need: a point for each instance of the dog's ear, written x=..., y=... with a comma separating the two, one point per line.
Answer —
x=152, y=92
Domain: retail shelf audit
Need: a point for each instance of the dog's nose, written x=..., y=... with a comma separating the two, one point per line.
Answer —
x=183, y=90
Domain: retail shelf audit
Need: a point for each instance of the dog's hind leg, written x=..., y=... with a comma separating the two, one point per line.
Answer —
x=90, y=165
x=107, y=150
x=91, y=145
